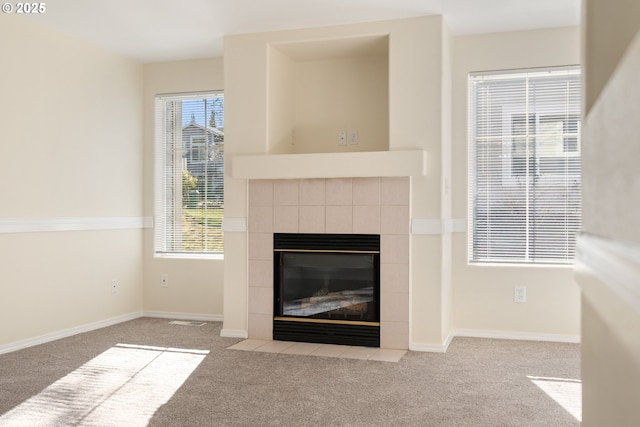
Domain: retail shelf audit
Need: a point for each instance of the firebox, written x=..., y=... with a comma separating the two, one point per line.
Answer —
x=327, y=288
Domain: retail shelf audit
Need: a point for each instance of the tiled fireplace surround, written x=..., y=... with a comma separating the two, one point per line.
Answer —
x=332, y=205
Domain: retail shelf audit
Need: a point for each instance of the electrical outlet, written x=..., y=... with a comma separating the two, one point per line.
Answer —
x=342, y=137
x=114, y=286
x=164, y=280
x=520, y=294
x=353, y=137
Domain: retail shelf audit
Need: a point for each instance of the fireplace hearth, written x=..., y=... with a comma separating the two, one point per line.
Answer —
x=327, y=288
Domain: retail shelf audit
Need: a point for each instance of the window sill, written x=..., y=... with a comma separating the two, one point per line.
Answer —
x=193, y=256
x=519, y=265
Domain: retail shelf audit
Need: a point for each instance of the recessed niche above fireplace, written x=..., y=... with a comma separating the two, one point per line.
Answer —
x=327, y=288
x=320, y=87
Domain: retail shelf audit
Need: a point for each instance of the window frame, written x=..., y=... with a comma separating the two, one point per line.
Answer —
x=508, y=178
x=180, y=156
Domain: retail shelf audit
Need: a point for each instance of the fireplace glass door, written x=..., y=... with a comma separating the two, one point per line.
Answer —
x=340, y=286
x=327, y=288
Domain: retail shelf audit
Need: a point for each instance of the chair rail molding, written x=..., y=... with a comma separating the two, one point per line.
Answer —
x=38, y=225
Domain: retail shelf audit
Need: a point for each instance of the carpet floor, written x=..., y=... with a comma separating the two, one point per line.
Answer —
x=150, y=372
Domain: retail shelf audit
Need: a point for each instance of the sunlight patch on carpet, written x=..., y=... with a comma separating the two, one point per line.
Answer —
x=125, y=385
x=566, y=392
x=186, y=323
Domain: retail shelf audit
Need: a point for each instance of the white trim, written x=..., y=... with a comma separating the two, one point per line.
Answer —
x=234, y=333
x=187, y=255
x=515, y=335
x=458, y=225
x=502, y=335
x=42, y=339
x=428, y=348
x=426, y=226
x=240, y=333
x=438, y=226
x=35, y=225
x=234, y=225
x=360, y=164
x=615, y=263
x=432, y=348
x=184, y=316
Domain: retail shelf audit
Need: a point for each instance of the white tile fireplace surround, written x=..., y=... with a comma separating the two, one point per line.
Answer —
x=333, y=205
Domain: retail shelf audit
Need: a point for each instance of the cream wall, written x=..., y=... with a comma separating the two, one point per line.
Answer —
x=608, y=264
x=482, y=295
x=342, y=94
x=70, y=160
x=421, y=116
x=445, y=183
x=315, y=89
x=611, y=29
x=281, y=95
x=195, y=285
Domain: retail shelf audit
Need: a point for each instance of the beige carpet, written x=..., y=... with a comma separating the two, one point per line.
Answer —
x=149, y=372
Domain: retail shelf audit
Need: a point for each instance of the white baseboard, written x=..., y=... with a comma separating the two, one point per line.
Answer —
x=184, y=316
x=234, y=333
x=42, y=339
x=240, y=333
x=503, y=335
x=432, y=348
x=513, y=335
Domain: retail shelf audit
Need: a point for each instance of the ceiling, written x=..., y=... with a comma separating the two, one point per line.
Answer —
x=167, y=30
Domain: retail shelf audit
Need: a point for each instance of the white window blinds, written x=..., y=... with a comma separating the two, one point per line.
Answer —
x=524, y=165
x=189, y=144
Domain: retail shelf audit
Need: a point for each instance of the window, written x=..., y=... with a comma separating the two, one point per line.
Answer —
x=524, y=165
x=189, y=133
x=199, y=150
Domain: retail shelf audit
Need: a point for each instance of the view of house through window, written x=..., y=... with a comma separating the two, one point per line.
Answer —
x=524, y=165
x=189, y=173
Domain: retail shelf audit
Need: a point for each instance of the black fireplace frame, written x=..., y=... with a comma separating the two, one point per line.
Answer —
x=328, y=331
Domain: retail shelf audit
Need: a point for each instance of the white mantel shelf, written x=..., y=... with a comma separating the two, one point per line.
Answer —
x=330, y=165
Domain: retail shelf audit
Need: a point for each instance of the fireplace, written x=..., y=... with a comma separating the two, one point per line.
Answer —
x=327, y=288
